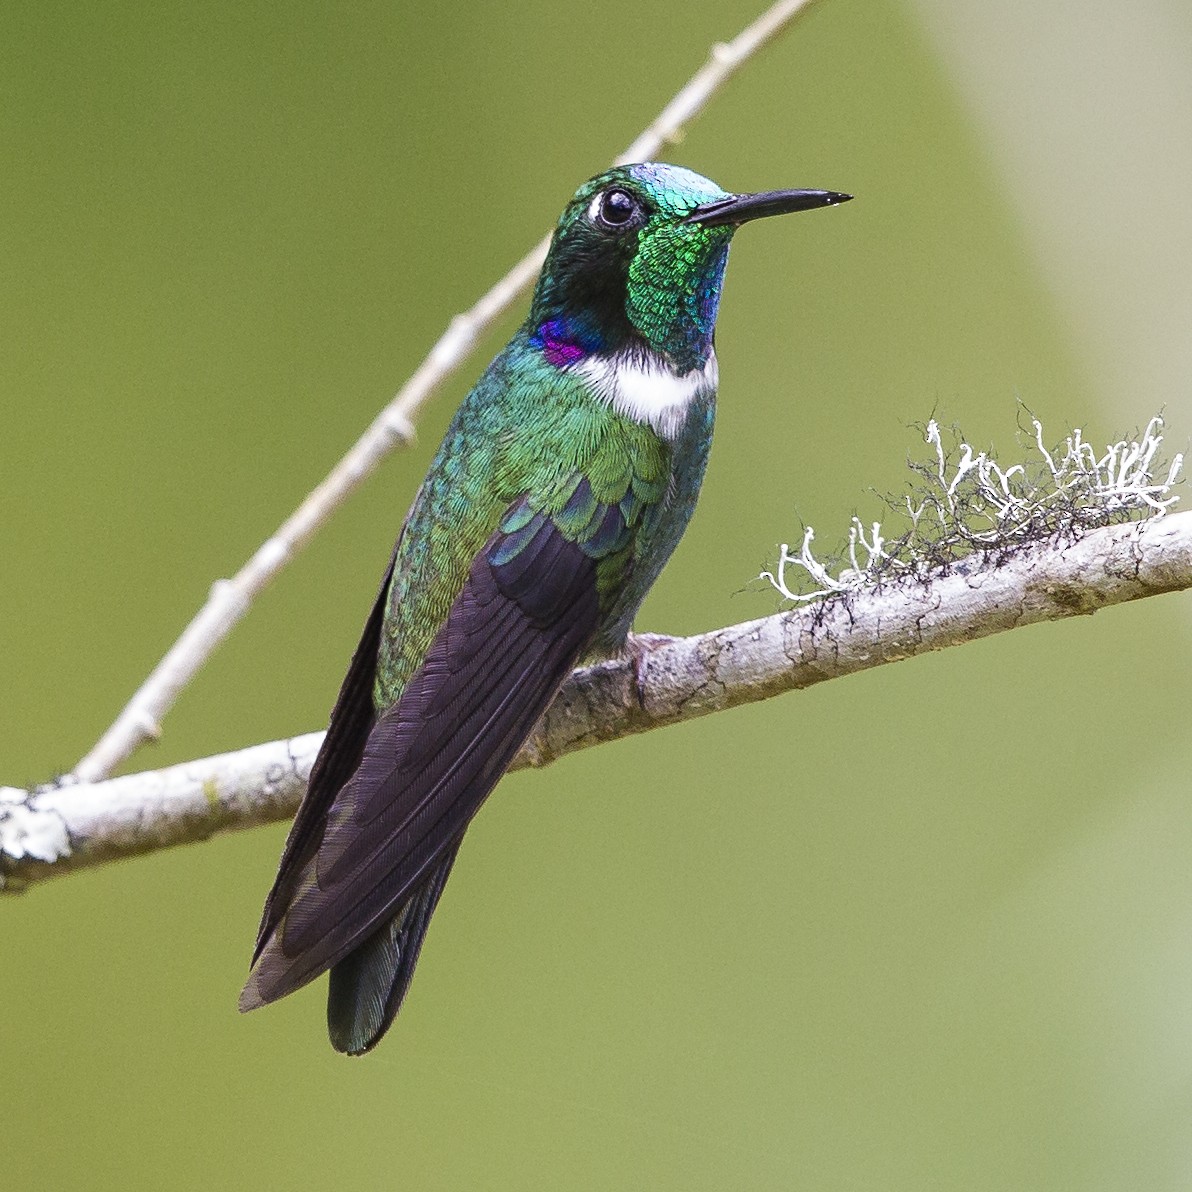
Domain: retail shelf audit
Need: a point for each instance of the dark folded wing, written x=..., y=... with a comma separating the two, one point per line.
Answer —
x=526, y=611
x=351, y=721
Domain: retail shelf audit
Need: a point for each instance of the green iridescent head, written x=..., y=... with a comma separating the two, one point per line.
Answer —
x=638, y=259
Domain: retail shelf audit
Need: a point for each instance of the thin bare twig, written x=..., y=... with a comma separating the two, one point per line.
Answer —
x=230, y=599
x=58, y=830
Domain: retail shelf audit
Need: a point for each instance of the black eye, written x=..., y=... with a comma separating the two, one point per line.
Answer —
x=615, y=208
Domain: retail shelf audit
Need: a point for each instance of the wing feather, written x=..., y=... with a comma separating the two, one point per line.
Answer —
x=352, y=720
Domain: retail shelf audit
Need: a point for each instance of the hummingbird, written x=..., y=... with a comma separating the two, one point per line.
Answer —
x=564, y=483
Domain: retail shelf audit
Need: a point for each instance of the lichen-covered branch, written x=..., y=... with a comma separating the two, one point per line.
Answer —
x=230, y=599
x=662, y=681
x=966, y=502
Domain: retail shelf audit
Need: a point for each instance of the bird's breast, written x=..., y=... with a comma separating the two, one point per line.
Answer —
x=648, y=390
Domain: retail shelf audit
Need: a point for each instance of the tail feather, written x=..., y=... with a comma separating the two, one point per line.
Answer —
x=367, y=987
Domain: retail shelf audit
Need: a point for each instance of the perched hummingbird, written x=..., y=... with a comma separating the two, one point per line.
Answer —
x=563, y=485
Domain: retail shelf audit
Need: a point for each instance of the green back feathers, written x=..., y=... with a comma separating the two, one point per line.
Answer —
x=528, y=439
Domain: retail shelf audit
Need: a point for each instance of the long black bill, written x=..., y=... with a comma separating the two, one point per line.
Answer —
x=738, y=209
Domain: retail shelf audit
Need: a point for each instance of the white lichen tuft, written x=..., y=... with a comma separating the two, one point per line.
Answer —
x=847, y=579
x=27, y=832
x=968, y=503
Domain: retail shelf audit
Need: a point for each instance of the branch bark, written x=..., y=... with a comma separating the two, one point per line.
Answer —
x=230, y=599
x=662, y=681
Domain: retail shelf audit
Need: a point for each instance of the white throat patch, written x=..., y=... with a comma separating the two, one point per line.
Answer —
x=649, y=390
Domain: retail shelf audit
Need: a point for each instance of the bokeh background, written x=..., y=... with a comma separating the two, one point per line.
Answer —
x=929, y=927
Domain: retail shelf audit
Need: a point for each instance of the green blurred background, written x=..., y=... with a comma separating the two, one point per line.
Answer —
x=930, y=927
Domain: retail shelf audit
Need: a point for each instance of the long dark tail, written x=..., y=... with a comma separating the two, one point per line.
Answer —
x=368, y=985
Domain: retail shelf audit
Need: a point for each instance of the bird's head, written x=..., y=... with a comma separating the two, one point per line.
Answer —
x=637, y=260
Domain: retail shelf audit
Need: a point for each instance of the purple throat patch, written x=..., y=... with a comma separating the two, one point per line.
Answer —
x=556, y=347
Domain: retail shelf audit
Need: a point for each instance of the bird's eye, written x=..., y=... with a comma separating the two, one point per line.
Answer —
x=614, y=208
